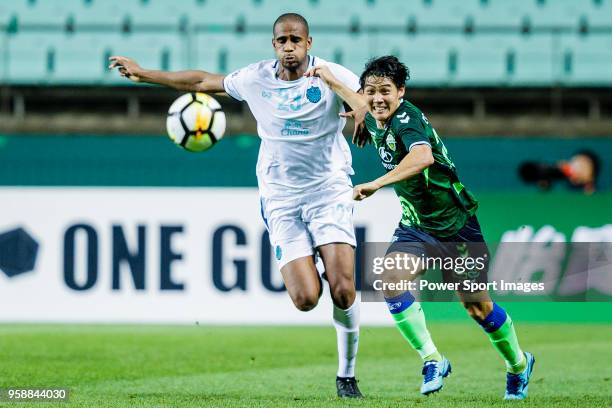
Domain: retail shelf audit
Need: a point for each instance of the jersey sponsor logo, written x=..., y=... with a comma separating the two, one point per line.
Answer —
x=294, y=128
x=313, y=94
x=404, y=118
x=266, y=94
x=391, y=142
x=385, y=156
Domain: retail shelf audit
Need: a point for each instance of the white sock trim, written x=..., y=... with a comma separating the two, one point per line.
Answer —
x=347, y=319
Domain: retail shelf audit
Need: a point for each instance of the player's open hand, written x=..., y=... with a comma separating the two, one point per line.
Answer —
x=362, y=191
x=322, y=72
x=127, y=67
x=361, y=136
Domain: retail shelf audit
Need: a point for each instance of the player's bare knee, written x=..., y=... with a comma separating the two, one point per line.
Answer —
x=305, y=301
x=343, y=294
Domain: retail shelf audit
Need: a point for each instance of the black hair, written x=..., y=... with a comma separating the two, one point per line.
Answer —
x=386, y=67
x=291, y=17
x=594, y=160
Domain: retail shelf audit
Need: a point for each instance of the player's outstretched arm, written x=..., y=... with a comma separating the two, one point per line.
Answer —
x=418, y=159
x=190, y=81
x=356, y=101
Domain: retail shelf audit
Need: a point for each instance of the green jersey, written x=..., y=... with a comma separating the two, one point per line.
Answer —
x=434, y=201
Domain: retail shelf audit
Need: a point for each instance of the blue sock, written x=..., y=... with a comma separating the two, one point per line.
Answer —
x=400, y=303
x=494, y=320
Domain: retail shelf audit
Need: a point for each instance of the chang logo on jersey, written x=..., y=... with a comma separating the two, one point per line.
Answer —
x=294, y=128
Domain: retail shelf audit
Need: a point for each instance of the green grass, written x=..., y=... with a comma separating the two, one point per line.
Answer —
x=113, y=366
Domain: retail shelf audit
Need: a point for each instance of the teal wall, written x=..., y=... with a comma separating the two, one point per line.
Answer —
x=485, y=164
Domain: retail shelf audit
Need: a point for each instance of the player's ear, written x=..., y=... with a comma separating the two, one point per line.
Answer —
x=401, y=91
x=309, y=43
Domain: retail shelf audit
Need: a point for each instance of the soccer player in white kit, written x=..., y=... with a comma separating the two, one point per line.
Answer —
x=303, y=171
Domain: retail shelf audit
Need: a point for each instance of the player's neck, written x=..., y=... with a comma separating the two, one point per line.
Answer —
x=381, y=124
x=287, y=75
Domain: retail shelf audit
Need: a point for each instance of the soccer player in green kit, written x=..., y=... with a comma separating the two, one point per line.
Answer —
x=437, y=211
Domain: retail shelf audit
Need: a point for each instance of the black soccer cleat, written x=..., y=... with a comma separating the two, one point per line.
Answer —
x=347, y=387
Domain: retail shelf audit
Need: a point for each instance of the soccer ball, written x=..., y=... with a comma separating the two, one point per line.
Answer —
x=195, y=122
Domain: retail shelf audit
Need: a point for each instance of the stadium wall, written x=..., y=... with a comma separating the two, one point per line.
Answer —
x=485, y=164
x=178, y=248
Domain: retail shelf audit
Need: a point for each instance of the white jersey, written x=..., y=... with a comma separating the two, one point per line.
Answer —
x=302, y=145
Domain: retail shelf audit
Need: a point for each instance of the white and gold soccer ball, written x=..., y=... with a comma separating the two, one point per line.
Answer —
x=195, y=122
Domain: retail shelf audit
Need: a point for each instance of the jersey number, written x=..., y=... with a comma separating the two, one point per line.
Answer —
x=289, y=100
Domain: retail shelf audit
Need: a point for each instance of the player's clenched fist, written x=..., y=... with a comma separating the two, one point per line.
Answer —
x=127, y=67
x=361, y=191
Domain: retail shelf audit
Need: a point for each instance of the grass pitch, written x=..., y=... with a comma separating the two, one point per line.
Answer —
x=127, y=366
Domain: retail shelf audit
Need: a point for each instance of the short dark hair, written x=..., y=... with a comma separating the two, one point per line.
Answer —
x=386, y=67
x=291, y=17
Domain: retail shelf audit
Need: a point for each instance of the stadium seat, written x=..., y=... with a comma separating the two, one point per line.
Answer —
x=321, y=15
x=210, y=15
x=31, y=57
x=534, y=60
x=70, y=58
x=393, y=15
x=535, y=14
x=152, y=51
x=78, y=59
x=210, y=52
x=44, y=14
x=551, y=14
x=6, y=14
x=154, y=15
x=589, y=55
x=4, y=57
x=223, y=53
x=498, y=15
x=599, y=14
x=444, y=14
x=350, y=50
x=426, y=55
x=104, y=14
x=481, y=60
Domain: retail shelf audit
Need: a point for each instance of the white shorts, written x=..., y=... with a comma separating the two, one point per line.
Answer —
x=298, y=225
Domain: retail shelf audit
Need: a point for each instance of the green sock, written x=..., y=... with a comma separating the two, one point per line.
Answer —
x=411, y=324
x=506, y=343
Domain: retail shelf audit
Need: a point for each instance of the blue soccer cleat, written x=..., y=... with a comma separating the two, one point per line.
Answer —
x=433, y=375
x=517, y=384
